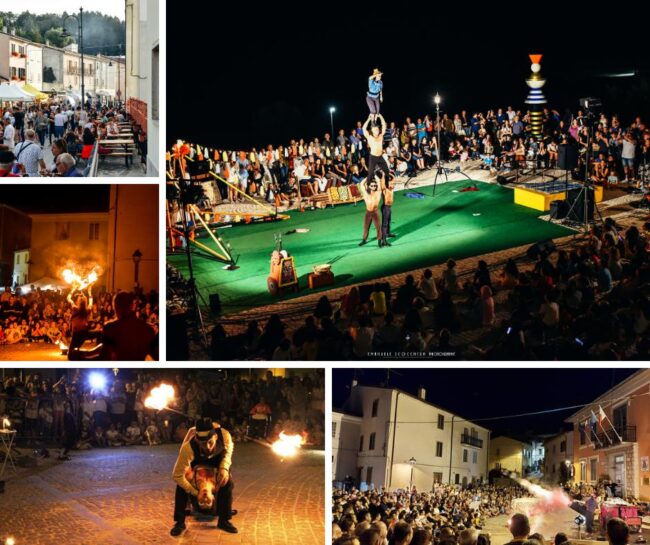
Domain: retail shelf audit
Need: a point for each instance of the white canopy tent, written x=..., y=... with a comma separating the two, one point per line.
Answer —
x=46, y=283
x=13, y=93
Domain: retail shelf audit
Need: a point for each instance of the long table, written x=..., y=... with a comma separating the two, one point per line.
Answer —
x=125, y=144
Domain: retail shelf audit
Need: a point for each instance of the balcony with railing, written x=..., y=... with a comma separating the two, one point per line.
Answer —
x=611, y=438
x=471, y=441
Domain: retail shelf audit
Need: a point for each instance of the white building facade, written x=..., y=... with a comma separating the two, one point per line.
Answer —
x=558, y=458
x=35, y=65
x=142, y=73
x=404, y=440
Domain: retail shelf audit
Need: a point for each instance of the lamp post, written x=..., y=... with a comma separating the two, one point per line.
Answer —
x=412, y=461
x=80, y=31
x=119, y=77
x=137, y=257
x=436, y=100
x=332, y=110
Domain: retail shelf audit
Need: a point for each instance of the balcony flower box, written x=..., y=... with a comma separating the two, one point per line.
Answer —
x=14, y=78
x=23, y=55
x=15, y=54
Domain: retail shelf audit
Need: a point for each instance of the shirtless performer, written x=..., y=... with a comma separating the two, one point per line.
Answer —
x=371, y=195
x=375, y=137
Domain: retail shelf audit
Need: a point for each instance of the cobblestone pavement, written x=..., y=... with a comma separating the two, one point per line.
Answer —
x=31, y=352
x=125, y=496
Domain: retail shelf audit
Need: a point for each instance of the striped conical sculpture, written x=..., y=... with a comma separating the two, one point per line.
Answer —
x=536, y=98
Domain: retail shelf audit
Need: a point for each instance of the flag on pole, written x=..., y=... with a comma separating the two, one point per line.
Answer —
x=594, y=427
x=605, y=417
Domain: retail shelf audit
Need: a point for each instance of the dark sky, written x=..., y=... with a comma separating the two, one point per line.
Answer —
x=50, y=198
x=265, y=73
x=484, y=393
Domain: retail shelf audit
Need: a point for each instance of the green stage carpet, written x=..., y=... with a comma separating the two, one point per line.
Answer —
x=429, y=231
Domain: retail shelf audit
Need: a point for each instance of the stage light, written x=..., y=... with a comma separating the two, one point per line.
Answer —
x=437, y=99
x=97, y=381
x=580, y=520
x=332, y=109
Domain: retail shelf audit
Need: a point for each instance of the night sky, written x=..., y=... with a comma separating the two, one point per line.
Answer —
x=243, y=75
x=483, y=393
x=51, y=198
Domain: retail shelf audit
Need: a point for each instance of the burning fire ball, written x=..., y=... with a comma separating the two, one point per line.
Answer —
x=288, y=446
x=160, y=397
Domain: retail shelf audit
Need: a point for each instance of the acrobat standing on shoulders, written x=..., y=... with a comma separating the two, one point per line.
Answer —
x=375, y=95
x=375, y=138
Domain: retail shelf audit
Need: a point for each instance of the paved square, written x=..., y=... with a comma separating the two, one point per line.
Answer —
x=125, y=496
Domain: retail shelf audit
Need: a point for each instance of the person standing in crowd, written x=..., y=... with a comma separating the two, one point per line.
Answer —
x=30, y=155
x=9, y=134
x=375, y=94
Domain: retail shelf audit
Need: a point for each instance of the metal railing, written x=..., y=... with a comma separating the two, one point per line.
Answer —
x=612, y=438
x=470, y=440
x=94, y=161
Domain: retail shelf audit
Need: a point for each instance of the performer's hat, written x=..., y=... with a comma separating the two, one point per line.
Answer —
x=376, y=72
x=204, y=429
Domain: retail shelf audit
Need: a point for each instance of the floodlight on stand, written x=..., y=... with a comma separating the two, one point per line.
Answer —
x=580, y=520
x=437, y=99
x=97, y=381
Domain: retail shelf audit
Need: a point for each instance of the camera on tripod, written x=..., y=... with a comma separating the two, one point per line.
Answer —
x=593, y=107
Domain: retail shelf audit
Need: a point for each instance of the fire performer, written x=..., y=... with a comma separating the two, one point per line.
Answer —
x=371, y=195
x=209, y=445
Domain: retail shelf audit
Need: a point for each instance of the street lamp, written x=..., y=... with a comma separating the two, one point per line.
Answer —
x=437, y=100
x=137, y=257
x=332, y=110
x=119, y=77
x=412, y=461
x=80, y=31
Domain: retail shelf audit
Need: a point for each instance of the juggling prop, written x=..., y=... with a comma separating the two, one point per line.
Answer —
x=536, y=98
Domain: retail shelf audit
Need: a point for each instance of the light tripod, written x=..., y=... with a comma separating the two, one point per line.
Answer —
x=441, y=170
x=587, y=187
x=195, y=294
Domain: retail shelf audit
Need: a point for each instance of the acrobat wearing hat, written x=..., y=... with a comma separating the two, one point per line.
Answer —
x=375, y=95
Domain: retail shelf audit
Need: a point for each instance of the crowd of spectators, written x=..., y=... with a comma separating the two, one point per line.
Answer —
x=445, y=510
x=442, y=517
x=70, y=134
x=47, y=413
x=51, y=317
x=500, y=139
x=589, y=300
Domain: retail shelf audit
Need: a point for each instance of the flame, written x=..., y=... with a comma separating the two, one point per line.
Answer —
x=10, y=541
x=288, y=446
x=70, y=276
x=160, y=397
x=6, y=423
x=62, y=346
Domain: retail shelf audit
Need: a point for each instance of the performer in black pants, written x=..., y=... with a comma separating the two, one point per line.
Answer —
x=207, y=445
x=375, y=137
x=387, y=189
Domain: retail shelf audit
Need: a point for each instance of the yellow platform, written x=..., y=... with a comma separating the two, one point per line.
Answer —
x=540, y=200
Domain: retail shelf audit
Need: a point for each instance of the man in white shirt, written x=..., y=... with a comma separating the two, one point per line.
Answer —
x=627, y=155
x=29, y=154
x=60, y=119
x=9, y=134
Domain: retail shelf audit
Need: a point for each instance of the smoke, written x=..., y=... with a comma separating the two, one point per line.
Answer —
x=66, y=255
x=549, y=500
